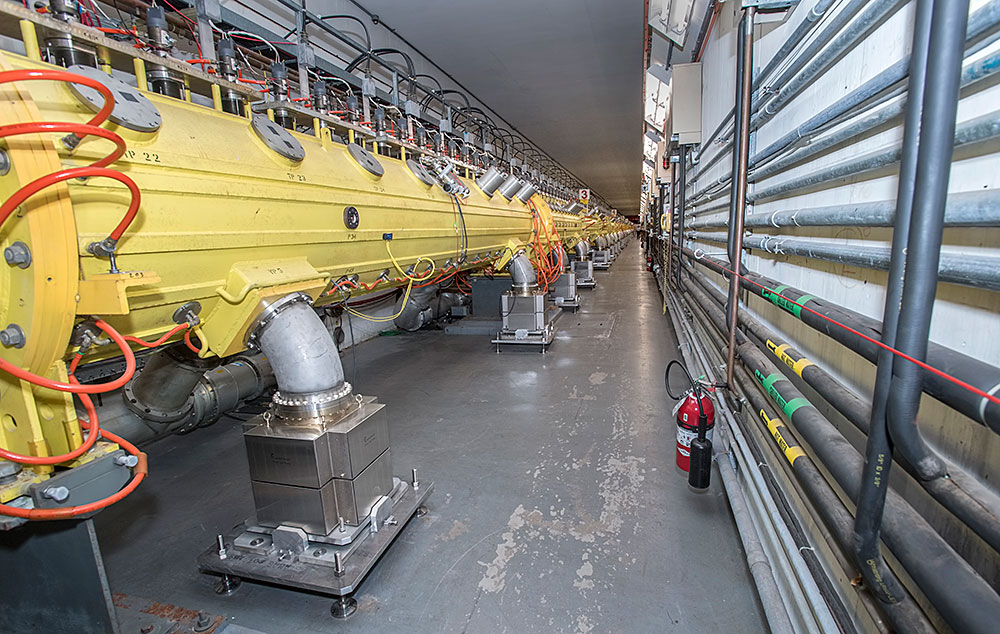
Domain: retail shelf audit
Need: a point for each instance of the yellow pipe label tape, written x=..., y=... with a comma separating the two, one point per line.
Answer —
x=774, y=426
x=779, y=351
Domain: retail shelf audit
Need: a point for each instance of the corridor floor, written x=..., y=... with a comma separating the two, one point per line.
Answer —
x=557, y=506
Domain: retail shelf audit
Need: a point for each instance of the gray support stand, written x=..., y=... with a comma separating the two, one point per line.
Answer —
x=54, y=580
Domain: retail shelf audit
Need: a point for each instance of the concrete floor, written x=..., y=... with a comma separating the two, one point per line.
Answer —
x=557, y=506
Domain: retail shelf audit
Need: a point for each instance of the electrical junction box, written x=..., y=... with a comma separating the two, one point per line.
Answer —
x=685, y=103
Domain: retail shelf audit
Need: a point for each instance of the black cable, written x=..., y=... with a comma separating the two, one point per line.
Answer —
x=695, y=391
x=465, y=233
x=513, y=302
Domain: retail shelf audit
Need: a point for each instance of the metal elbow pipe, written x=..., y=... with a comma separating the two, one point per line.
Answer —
x=522, y=274
x=161, y=392
x=297, y=344
x=582, y=249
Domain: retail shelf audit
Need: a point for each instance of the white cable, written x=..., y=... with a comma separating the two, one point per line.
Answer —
x=277, y=55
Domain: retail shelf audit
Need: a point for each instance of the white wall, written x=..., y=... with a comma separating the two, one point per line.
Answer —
x=965, y=319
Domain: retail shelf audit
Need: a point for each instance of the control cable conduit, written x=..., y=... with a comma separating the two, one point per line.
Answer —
x=942, y=575
x=905, y=615
x=957, y=380
x=977, y=271
x=813, y=62
x=868, y=95
x=950, y=492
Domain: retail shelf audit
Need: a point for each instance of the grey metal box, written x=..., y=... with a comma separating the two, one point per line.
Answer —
x=310, y=456
x=565, y=286
x=318, y=510
x=685, y=103
x=298, y=456
x=356, y=497
x=523, y=312
x=312, y=510
x=584, y=270
x=358, y=440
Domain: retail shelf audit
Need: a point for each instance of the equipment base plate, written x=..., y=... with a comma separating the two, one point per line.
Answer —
x=313, y=568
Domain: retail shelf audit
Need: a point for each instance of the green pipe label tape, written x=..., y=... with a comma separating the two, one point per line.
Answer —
x=795, y=308
x=789, y=407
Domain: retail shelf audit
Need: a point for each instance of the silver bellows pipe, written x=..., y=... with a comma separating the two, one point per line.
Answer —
x=301, y=351
x=582, y=249
x=214, y=393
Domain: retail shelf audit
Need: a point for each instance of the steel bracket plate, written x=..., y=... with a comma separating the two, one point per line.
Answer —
x=313, y=569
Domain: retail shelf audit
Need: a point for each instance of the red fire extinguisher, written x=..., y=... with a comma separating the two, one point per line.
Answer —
x=695, y=416
x=686, y=414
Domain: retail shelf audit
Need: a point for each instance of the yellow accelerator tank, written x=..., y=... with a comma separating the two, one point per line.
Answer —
x=214, y=197
x=224, y=220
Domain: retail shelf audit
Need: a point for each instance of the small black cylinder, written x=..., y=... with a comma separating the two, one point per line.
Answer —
x=700, y=473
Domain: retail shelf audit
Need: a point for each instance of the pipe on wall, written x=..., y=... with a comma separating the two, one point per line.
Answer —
x=923, y=245
x=950, y=493
x=834, y=26
x=965, y=209
x=947, y=579
x=967, y=369
x=977, y=271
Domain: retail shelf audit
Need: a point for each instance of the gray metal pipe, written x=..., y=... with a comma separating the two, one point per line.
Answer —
x=815, y=60
x=923, y=245
x=967, y=209
x=980, y=129
x=796, y=37
x=977, y=271
x=582, y=249
x=735, y=238
x=757, y=561
x=522, y=273
x=161, y=391
x=300, y=349
x=974, y=72
x=985, y=19
x=872, y=14
x=214, y=393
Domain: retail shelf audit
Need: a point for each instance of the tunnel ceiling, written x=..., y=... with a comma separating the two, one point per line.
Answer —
x=566, y=73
